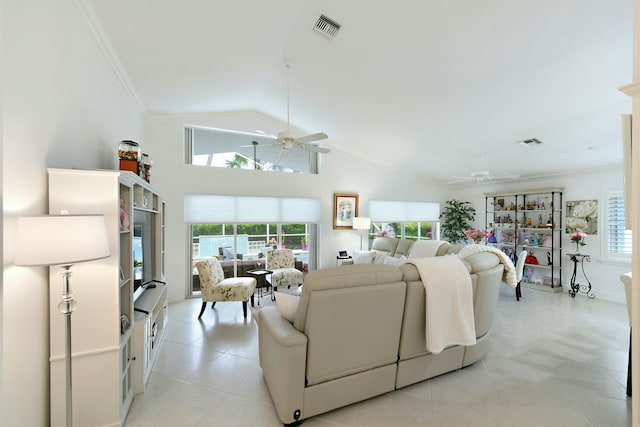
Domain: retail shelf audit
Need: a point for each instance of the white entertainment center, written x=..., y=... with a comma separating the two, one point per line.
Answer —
x=121, y=314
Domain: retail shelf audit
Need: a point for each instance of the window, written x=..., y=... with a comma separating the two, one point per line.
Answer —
x=404, y=230
x=243, y=150
x=240, y=230
x=618, y=239
x=242, y=247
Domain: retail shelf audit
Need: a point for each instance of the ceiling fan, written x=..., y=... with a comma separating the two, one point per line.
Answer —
x=288, y=139
x=484, y=175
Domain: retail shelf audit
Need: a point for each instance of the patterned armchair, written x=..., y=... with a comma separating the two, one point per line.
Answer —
x=282, y=263
x=216, y=288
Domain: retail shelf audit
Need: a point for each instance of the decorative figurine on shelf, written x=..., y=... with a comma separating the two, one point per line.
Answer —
x=124, y=216
x=549, y=258
x=536, y=239
x=531, y=259
x=540, y=222
x=542, y=206
x=492, y=237
x=547, y=243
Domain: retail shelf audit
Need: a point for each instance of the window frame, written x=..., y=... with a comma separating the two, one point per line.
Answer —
x=607, y=254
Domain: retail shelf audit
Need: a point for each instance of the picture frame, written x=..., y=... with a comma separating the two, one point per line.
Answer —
x=345, y=208
x=581, y=216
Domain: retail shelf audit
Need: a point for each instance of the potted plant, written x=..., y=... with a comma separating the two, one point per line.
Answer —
x=455, y=217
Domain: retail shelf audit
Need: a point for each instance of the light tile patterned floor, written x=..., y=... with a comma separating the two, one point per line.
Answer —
x=554, y=361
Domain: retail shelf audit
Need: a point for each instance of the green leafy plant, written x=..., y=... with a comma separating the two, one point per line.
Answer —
x=456, y=217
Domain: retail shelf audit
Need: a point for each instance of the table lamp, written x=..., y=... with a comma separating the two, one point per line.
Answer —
x=62, y=240
x=361, y=223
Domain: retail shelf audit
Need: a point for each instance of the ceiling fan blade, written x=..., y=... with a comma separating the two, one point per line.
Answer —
x=284, y=151
x=314, y=148
x=314, y=137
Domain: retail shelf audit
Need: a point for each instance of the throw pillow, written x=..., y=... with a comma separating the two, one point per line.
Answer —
x=363, y=257
x=379, y=256
x=287, y=304
x=389, y=260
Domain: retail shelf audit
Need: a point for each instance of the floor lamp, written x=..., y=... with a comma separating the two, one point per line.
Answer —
x=62, y=240
x=361, y=223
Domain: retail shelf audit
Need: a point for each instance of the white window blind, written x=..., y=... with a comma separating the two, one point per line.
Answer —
x=214, y=209
x=618, y=238
x=398, y=211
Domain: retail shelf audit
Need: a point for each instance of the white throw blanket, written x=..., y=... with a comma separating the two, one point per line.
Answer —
x=449, y=302
x=509, y=275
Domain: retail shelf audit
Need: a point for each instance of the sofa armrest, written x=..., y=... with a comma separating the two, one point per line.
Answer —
x=283, y=356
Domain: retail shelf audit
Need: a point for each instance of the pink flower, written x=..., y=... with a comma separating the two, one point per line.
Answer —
x=578, y=238
x=476, y=235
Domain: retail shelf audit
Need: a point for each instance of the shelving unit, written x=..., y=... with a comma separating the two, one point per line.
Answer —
x=531, y=221
x=106, y=343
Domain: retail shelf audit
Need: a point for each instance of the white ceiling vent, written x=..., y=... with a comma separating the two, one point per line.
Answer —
x=327, y=27
x=530, y=142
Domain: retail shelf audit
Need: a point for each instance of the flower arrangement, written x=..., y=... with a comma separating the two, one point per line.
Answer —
x=578, y=239
x=476, y=235
x=381, y=233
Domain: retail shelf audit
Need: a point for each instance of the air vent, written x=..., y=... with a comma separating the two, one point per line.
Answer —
x=530, y=142
x=327, y=27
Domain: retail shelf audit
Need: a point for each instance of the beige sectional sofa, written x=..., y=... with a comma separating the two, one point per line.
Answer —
x=359, y=331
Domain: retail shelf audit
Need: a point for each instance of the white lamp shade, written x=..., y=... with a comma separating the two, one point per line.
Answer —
x=61, y=239
x=361, y=223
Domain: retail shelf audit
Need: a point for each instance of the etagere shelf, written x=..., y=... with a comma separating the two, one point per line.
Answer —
x=114, y=344
x=531, y=221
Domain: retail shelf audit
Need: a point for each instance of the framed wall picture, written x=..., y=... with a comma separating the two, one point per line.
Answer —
x=345, y=208
x=582, y=216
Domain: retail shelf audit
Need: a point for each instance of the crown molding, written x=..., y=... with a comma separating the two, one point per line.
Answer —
x=89, y=15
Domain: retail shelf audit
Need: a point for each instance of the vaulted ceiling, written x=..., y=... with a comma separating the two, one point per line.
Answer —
x=441, y=88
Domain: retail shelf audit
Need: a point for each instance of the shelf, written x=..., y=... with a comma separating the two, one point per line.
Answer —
x=540, y=287
x=524, y=218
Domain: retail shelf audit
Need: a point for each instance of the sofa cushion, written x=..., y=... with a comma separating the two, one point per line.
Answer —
x=403, y=248
x=348, y=276
x=385, y=244
x=426, y=248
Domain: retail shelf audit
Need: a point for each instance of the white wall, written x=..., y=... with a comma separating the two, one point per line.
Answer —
x=341, y=173
x=604, y=275
x=62, y=106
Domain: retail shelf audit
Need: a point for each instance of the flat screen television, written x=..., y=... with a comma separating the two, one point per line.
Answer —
x=143, y=244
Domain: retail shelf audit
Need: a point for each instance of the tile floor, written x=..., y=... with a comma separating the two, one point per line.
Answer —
x=554, y=361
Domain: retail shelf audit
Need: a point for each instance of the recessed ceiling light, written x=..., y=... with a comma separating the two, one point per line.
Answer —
x=592, y=147
x=529, y=142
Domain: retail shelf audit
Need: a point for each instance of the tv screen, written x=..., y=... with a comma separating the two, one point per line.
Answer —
x=142, y=250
